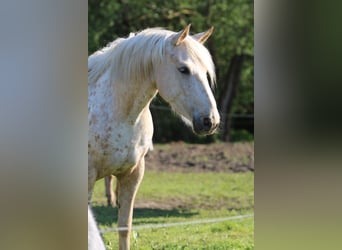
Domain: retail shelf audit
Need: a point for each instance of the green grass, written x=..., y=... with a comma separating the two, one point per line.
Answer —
x=177, y=197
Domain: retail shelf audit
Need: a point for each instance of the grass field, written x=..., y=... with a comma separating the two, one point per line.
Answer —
x=183, y=197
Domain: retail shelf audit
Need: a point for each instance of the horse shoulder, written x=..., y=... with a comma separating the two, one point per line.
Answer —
x=131, y=142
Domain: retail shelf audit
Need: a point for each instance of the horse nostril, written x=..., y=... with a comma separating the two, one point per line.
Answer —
x=204, y=125
x=207, y=122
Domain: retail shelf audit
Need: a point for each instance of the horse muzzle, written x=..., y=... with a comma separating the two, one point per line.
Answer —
x=205, y=125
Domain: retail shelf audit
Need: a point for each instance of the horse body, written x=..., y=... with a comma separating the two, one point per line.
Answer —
x=123, y=78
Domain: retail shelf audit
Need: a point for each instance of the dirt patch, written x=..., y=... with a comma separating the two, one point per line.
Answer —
x=233, y=203
x=217, y=157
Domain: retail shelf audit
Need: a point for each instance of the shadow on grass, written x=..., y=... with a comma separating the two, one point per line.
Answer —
x=106, y=215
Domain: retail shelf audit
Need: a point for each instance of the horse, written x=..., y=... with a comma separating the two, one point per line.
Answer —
x=123, y=78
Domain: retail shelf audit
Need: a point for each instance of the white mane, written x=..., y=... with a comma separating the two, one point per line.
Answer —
x=132, y=58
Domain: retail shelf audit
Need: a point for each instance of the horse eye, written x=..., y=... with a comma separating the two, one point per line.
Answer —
x=184, y=70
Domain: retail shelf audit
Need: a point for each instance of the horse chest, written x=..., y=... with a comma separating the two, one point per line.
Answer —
x=126, y=148
x=117, y=150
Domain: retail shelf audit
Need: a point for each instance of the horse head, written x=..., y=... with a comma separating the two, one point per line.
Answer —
x=184, y=79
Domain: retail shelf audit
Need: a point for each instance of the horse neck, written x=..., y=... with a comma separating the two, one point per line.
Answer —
x=131, y=98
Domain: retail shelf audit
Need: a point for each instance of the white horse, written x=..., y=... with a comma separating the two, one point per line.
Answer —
x=123, y=78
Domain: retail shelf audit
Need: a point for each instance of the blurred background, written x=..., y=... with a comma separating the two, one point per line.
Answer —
x=231, y=47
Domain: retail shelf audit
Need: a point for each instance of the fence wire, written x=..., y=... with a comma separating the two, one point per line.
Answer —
x=176, y=224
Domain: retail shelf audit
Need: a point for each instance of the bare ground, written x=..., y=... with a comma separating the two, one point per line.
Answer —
x=216, y=157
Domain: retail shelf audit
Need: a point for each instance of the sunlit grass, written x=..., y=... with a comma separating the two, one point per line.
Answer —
x=175, y=197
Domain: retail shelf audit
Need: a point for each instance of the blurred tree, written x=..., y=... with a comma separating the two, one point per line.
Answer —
x=231, y=46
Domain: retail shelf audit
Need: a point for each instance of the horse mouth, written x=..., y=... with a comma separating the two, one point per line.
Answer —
x=204, y=126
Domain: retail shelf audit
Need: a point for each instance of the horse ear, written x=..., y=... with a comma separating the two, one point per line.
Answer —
x=180, y=36
x=202, y=37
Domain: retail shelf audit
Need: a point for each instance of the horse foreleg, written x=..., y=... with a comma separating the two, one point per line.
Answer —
x=127, y=186
x=109, y=180
x=91, y=182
